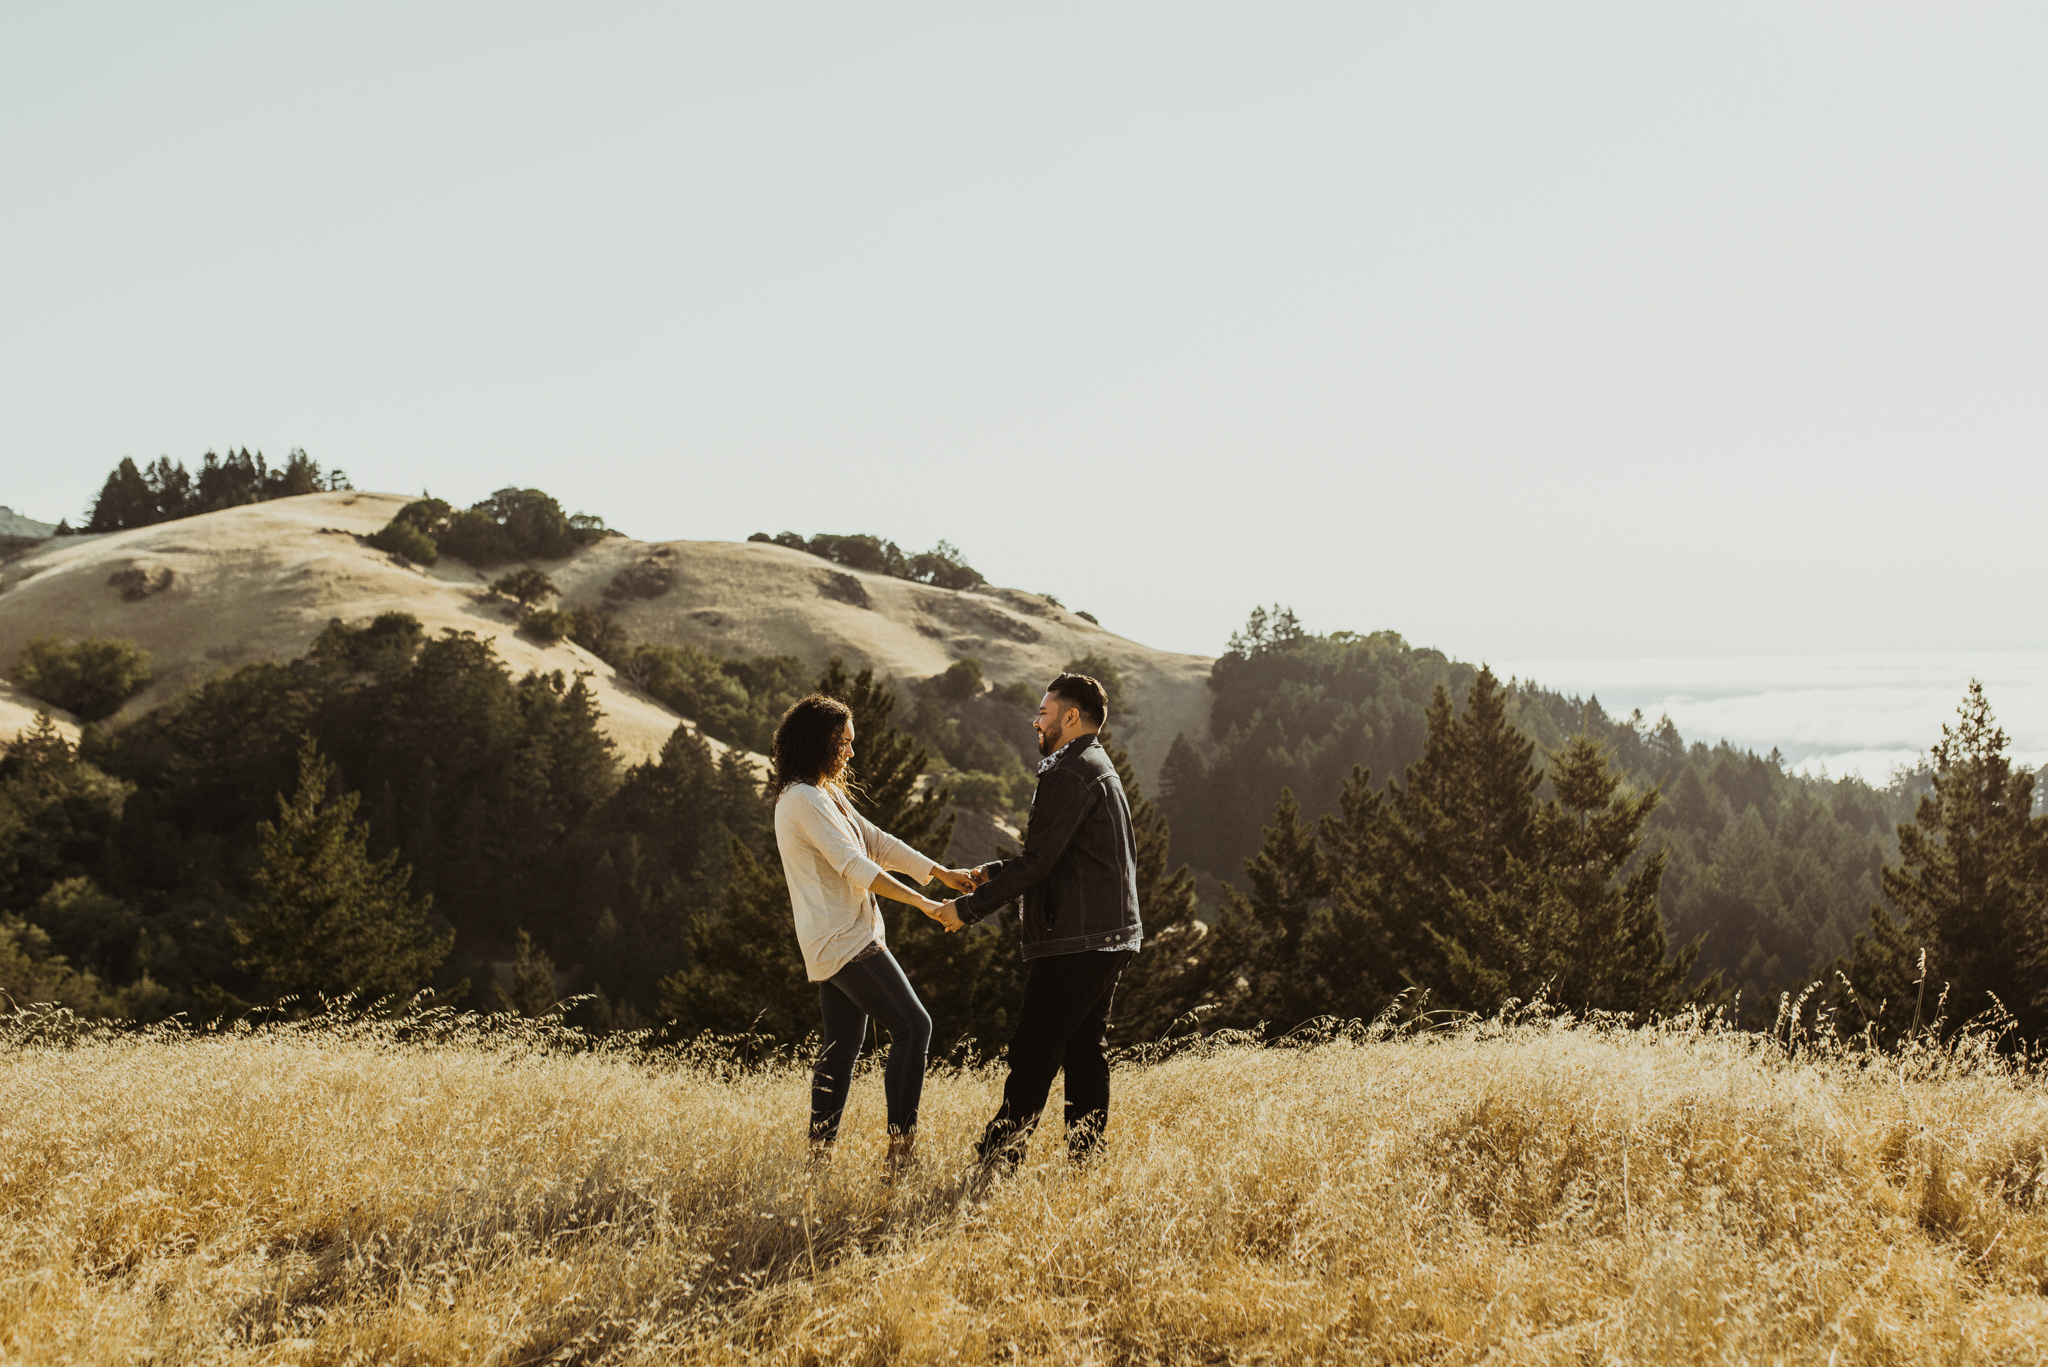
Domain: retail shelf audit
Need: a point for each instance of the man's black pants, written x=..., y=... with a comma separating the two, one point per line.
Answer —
x=1063, y=1024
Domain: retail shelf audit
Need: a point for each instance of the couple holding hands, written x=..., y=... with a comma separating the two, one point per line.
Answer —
x=1077, y=876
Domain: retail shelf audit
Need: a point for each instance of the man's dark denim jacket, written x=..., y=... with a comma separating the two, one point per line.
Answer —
x=1078, y=874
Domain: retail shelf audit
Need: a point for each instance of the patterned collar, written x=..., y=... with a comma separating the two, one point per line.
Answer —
x=1054, y=757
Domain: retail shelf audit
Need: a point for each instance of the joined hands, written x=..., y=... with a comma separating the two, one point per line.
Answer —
x=962, y=881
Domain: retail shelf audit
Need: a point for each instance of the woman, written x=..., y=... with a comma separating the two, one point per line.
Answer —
x=836, y=862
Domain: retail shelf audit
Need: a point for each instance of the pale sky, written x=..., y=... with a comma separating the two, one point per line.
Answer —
x=1528, y=331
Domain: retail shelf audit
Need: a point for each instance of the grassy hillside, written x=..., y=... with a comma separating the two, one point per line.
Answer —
x=1535, y=1192
x=260, y=582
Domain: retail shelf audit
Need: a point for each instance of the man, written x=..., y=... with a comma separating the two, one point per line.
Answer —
x=1078, y=876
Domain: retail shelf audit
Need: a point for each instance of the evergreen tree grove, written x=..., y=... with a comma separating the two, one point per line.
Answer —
x=1576, y=922
x=745, y=973
x=888, y=764
x=1254, y=952
x=1456, y=881
x=330, y=919
x=142, y=496
x=1466, y=810
x=1970, y=889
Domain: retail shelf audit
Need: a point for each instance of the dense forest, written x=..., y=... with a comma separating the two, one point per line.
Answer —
x=1773, y=872
x=1367, y=827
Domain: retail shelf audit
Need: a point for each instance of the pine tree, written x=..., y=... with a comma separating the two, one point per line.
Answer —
x=889, y=764
x=301, y=475
x=329, y=919
x=533, y=981
x=1575, y=921
x=664, y=858
x=170, y=486
x=1253, y=956
x=1970, y=889
x=745, y=972
x=59, y=814
x=1348, y=951
x=1151, y=994
x=125, y=500
x=1467, y=808
x=1185, y=799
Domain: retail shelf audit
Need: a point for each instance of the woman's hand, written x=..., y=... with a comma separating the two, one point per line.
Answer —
x=959, y=880
x=943, y=913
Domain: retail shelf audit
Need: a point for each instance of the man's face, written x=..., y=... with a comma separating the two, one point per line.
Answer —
x=1055, y=718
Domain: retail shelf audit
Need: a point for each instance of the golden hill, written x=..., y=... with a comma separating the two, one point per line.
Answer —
x=260, y=582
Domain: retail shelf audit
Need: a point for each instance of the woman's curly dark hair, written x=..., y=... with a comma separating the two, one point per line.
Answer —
x=807, y=744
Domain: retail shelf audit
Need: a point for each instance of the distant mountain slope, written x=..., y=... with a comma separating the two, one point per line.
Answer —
x=260, y=582
x=14, y=524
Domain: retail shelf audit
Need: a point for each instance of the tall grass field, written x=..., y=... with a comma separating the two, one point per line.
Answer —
x=474, y=1190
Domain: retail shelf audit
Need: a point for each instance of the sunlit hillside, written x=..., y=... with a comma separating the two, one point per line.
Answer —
x=451, y=1192
x=259, y=582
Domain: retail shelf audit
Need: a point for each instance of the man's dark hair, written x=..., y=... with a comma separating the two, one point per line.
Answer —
x=1078, y=690
x=807, y=743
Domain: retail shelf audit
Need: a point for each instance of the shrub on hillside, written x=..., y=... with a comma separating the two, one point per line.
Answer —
x=597, y=631
x=89, y=679
x=961, y=681
x=512, y=524
x=384, y=647
x=137, y=583
x=648, y=578
x=978, y=791
x=738, y=701
x=406, y=541
x=1103, y=670
x=943, y=565
x=976, y=728
x=31, y=973
x=527, y=586
x=547, y=625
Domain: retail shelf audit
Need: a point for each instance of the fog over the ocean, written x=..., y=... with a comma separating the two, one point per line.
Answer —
x=1845, y=714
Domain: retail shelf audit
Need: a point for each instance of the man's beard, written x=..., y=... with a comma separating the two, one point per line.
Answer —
x=1047, y=743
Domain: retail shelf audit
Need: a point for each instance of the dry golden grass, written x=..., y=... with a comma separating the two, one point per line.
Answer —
x=1534, y=1192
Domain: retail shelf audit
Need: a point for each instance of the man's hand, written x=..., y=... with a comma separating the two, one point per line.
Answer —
x=959, y=880
x=981, y=873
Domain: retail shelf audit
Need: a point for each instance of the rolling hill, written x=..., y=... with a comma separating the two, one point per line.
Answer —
x=260, y=582
x=14, y=524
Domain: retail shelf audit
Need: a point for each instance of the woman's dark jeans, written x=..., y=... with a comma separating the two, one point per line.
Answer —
x=873, y=987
